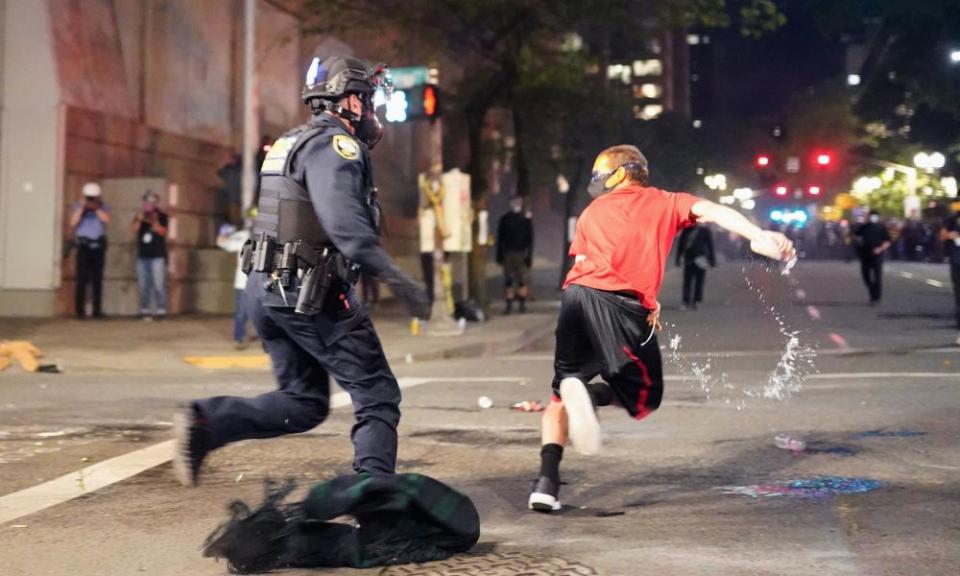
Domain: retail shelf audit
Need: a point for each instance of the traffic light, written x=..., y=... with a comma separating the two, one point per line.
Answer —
x=813, y=190
x=414, y=103
x=762, y=161
x=430, y=101
x=824, y=159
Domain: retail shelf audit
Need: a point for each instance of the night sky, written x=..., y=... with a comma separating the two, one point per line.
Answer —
x=755, y=78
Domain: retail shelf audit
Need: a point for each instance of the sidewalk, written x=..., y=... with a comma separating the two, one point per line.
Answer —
x=135, y=346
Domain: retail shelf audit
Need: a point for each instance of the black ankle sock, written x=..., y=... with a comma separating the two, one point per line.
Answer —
x=550, y=456
x=600, y=393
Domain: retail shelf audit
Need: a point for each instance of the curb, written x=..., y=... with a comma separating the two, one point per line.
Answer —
x=493, y=347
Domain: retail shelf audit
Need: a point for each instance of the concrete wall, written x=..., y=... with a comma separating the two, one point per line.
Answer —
x=30, y=207
x=130, y=158
x=130, y=89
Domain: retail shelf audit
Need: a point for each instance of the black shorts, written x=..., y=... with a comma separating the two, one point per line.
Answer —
x=606, y=333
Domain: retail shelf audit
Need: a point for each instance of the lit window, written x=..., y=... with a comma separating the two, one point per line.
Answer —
x=650, y=111
x=650, y=90
x=619, y=72
x=651, y=67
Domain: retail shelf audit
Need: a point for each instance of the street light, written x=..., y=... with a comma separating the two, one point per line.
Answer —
x=716, y=181
x=955, y=56
x=929, y=162
x=867, y=184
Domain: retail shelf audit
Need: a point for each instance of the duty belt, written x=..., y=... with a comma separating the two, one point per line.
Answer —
x=316, y=270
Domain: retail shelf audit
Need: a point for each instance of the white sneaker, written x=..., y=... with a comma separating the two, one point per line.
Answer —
x=543, y=496
x=585, y=433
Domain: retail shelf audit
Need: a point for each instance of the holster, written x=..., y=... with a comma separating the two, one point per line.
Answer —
x=316, y=283
x=246, y=257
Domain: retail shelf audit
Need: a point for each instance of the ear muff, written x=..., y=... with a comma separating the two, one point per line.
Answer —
x=616, y=178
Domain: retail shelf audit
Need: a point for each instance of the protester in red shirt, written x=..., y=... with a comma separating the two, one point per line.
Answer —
x=609, y=311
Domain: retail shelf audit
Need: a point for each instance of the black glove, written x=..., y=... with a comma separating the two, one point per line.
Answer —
x=404, y=287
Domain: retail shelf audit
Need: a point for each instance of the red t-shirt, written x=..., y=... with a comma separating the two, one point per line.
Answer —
x=623, y=239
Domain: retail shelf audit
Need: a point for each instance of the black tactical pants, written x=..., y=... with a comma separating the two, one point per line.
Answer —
x=303, y=358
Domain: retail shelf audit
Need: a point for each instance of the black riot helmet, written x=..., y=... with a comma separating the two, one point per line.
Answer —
x=328, y=81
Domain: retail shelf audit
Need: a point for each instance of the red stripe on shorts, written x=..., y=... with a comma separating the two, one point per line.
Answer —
x=642, y=410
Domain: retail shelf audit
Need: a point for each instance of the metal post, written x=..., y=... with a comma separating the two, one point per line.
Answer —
x=250, y=127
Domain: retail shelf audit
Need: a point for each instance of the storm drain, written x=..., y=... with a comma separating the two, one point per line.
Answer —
x=494, y=564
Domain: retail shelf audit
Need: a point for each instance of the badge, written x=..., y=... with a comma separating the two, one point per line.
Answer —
x=346, y=147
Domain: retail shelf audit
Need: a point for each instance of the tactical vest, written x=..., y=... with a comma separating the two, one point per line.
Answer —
x=285, y=212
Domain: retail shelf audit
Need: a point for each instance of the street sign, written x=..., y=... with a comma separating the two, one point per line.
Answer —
x=409, y=76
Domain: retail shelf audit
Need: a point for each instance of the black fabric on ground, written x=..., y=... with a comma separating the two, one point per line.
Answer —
x=400, y=519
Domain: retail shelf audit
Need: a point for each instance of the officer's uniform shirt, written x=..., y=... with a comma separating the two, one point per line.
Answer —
x=335, y=169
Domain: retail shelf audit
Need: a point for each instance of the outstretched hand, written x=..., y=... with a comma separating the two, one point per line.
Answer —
x=774, y=245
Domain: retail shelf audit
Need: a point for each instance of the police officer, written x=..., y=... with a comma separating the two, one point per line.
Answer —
x=317, y=227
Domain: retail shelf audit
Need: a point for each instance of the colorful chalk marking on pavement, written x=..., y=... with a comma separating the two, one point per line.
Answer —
x=889, y=434
x=812, y=487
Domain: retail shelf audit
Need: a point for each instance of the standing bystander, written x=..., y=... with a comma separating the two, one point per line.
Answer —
x=872, y=240
x=514, y=253
x=696, y=253
x=150, y=227
x=89, y=225
x=232, y=240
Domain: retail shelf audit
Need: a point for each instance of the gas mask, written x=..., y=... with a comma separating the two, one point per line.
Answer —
x=368, y=127
x=603, y=182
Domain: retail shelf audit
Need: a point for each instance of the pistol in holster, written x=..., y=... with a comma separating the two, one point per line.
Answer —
x=316, y=283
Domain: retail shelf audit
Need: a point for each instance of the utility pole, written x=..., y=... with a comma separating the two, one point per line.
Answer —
x=250, y=127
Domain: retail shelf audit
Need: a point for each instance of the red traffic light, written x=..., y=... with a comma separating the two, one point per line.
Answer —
x=824, y=159
x=814, y=190
x=780, y=190
x=429, y=101
x=763, y=161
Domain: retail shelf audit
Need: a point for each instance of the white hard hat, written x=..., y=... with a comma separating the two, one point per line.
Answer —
x=91, y=190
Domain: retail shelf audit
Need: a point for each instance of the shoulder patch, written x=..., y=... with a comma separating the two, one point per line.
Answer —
x=346, y=147
x=276, y=158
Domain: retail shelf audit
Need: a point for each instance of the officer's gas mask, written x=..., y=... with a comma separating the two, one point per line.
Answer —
x=336, y=78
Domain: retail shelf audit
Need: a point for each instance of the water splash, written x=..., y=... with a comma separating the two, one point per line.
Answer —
x=786, y=379
x=796, y=362
x=703, y=373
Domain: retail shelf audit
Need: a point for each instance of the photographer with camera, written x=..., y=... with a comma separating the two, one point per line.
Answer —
x=89, y=225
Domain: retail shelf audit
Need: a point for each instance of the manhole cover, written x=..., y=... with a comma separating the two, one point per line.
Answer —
x=494, y=564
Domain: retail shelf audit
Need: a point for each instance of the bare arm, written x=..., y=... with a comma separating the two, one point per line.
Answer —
x=764, y=242
x=726, y=218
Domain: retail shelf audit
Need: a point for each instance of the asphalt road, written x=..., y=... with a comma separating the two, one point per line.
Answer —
x=697, y=488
